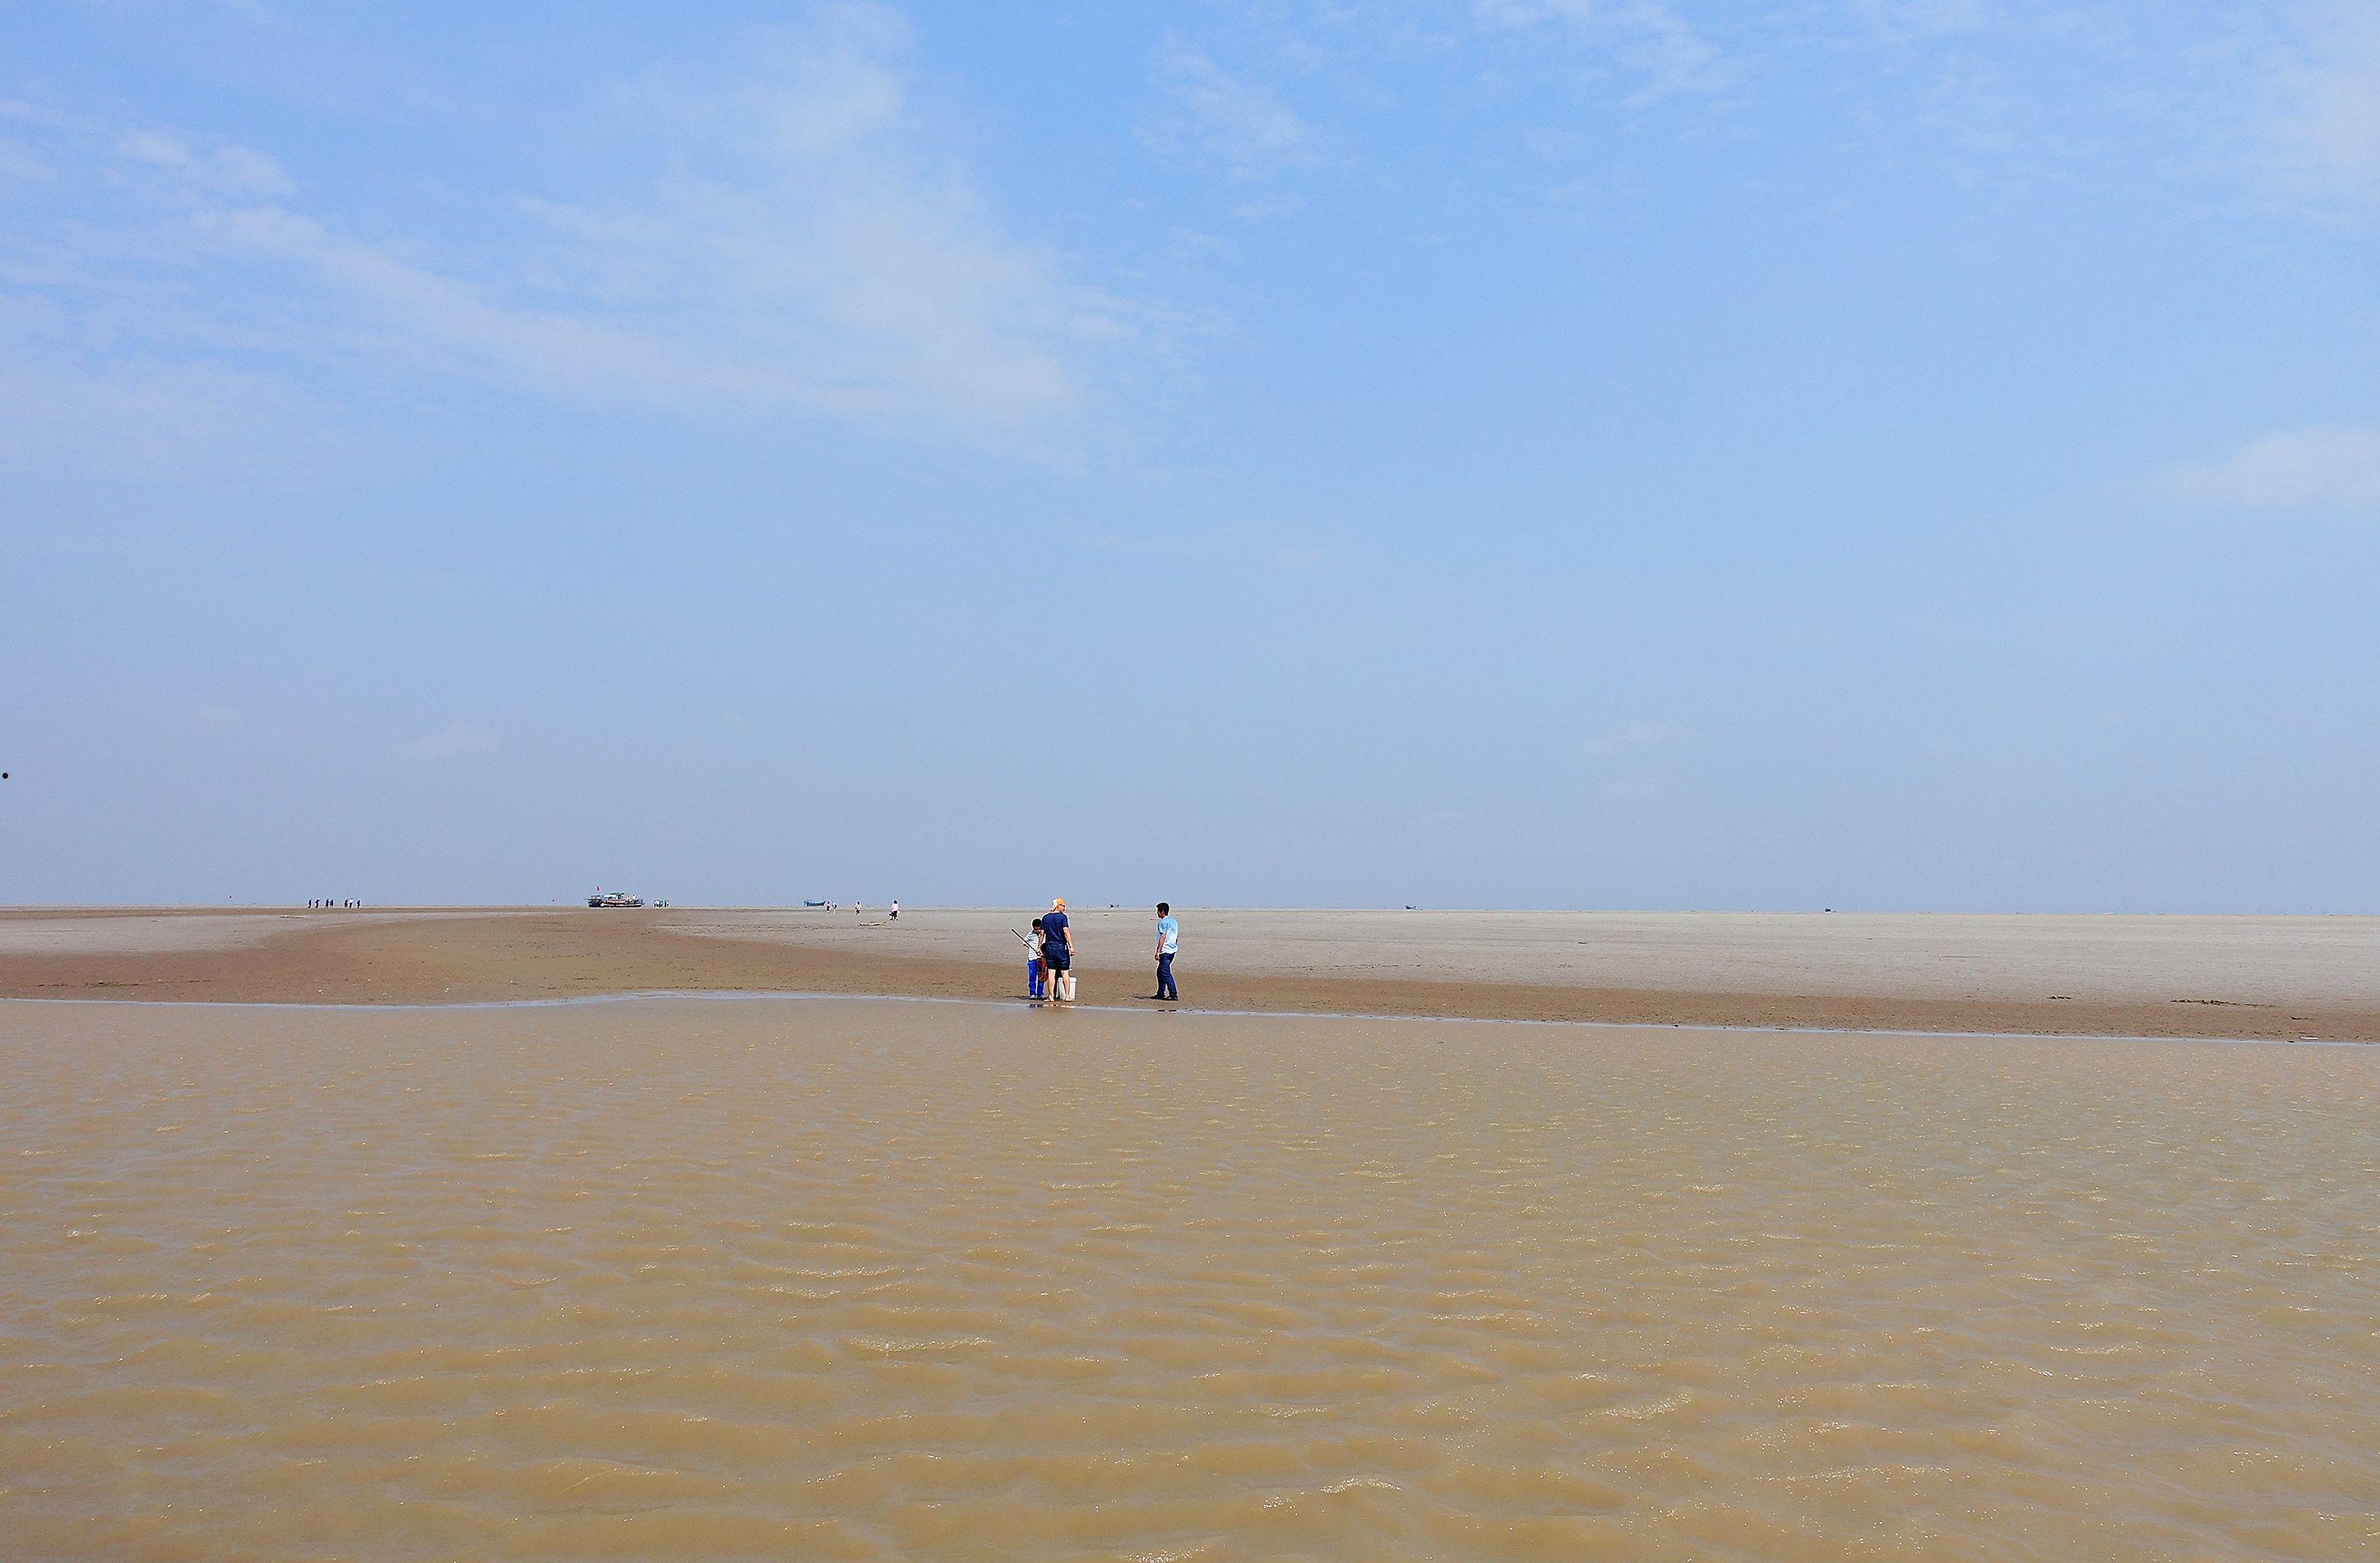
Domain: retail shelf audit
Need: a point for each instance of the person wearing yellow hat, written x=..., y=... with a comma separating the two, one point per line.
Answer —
x=1057, y=951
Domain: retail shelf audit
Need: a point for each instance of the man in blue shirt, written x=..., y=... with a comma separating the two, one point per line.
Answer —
x=1168, y=940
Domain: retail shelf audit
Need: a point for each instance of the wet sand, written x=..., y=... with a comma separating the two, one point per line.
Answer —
x=690, y=1279
x=2273, y=977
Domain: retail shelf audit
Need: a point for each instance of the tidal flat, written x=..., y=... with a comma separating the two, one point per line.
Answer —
x=695, y=1279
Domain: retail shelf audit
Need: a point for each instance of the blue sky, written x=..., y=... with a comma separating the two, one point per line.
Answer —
x=1898, y=453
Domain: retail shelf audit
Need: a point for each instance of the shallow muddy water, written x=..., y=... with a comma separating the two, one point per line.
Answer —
x=692, y=1280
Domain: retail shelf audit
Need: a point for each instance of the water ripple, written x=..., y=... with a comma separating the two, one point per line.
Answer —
x=864, y=1280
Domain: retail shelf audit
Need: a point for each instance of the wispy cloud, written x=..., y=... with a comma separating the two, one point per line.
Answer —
x=451, y=742
x=2307, y=469
x=1366, y=75
x=1919, y=19
x=139, y=418
x=1665, y=53
x=2317, y=140
x=2000, y=96
x=1243, y=125
x=808, y=248
x=224, y=168
x=1631, y=736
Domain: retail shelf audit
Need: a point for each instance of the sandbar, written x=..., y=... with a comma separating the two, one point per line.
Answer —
x=2237, y=976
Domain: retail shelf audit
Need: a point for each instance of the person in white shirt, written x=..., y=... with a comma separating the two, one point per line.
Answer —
x=1168, y=941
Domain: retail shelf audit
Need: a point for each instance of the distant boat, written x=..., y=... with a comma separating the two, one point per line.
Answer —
x=614, y=898
x=825, y=903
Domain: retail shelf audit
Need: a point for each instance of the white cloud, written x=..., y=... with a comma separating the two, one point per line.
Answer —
x=804, y=247
x=2316, y=142
x=428, y=317
x=1643, y=36
x=143, y=420
x=1241, y=124
x=451, y=742
x=225, y=168
x=1631, y=736
x=812, y=235
x=2305, y=468
x=21, y=165
x=1912, y=20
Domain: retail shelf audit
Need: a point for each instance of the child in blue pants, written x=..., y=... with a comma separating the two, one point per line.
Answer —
x=1033, y=970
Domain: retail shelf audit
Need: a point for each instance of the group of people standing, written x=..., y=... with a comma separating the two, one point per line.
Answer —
x=1050, y=955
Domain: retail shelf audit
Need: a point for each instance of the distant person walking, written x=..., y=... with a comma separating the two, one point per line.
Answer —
x=896, y=910
x=1058, y=953
x=1169, y=941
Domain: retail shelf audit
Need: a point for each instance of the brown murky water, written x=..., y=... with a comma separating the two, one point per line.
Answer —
x=691, y=1279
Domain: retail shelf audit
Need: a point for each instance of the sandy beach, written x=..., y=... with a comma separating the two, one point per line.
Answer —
x=2268, y=977
x=504, y=503
x=714, y=1279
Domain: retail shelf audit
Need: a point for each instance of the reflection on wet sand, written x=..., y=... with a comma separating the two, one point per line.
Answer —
x=689, y=1279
